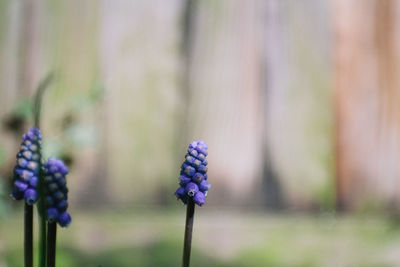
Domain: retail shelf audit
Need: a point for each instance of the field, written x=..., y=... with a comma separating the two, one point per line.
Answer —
x=153, y=237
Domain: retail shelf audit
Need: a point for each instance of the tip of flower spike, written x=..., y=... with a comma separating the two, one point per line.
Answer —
x=64, y=219
x=55, y=165
x=33, y=134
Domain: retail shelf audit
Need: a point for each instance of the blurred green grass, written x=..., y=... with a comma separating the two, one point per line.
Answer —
x=153, y=237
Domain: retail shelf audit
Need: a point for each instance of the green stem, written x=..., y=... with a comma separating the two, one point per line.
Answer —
x=37, y=107
x=41, y=202
x=187, y=245
x=51, y=244
x=42, y=242
x=28, y=235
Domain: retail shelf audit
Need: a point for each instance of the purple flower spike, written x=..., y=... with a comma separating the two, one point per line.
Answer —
x=193, y=176
x=56, y=192
x=26, y=170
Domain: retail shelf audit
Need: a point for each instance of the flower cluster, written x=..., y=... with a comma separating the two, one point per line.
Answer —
x=193, y=177
x=26, y=171
x=56, y=192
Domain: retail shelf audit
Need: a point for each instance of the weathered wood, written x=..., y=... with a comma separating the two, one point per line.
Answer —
x=367, y=97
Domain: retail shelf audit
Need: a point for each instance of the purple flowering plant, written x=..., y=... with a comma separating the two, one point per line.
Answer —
x=40, y=183
x=193, y=188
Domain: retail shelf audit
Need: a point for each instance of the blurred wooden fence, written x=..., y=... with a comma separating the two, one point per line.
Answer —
x=258, y=80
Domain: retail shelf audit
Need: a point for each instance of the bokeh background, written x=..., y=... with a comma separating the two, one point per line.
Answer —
x=298, y=101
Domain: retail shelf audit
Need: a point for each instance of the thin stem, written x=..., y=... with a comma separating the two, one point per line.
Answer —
x=187, y=245
x=37, y=106
x=28, y=235
x=42, y=242
x=51, y=244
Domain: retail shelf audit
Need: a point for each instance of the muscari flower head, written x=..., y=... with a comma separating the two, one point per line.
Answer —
x=56, y=192
x=193, y=177
x=26, y=171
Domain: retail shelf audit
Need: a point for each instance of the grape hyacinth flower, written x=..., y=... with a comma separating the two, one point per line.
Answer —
x=193, y=189
x=56, y=192
x=26, y=172
x=193, y=177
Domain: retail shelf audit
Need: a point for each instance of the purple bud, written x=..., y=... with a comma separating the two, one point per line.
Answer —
x=61, y=182
x=194, y=152
x=202, y=169
x=16, y=194
x=33, y=181
x=30, y=196
x=49, y=201
x=202, y=150
x=58, y=195
x=201, y=157
x=190, y=159
x=21, y=186
x=22, y=162
x=52, y=214
x=199, y=198
x=27, y=154
x=196, y=163
x=25, y=175
x=62, y=205
x=52, y=187
x=64, y=219
x=48, y=179
x=189, y=171
x=198, y=177
x=191, y=189
x=180, y=192
x=204, y=186
x=183, y=180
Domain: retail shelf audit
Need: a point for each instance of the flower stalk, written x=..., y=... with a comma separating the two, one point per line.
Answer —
x=193, y=188
x=56, y=193
x=51, y=243
x=28, y=235
x=187, y=243
x=37, y=108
